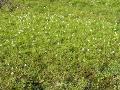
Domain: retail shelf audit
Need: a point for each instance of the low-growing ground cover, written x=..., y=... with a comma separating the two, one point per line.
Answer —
x=60, y=45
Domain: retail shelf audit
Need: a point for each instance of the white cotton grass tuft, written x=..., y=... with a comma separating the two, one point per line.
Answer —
x=12, y=73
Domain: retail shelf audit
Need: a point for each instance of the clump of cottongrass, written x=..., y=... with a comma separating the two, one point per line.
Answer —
x=12, y=73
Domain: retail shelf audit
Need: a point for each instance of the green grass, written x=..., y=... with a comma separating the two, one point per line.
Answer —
x=60, y=45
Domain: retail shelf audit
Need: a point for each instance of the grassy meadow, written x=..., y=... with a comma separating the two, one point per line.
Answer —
x=60, y=45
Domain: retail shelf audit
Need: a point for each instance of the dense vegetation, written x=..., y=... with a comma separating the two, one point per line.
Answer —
x=60, y=45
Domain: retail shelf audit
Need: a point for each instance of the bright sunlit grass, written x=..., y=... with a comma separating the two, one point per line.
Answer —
x=60, y=45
